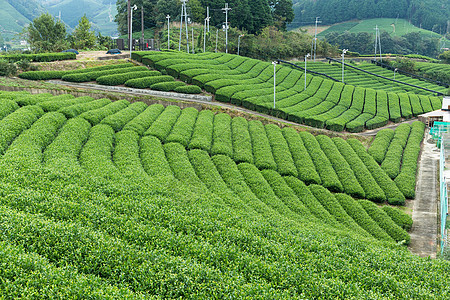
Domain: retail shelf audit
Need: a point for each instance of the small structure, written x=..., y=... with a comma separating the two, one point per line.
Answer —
x=442, y=115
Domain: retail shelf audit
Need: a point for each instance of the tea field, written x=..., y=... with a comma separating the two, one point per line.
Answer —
x=323, y=103
x=119, y=200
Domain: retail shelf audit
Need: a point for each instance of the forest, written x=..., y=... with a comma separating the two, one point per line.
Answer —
x=248, y=15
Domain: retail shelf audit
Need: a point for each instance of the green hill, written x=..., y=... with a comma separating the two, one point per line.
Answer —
x=395, y=27
x=11, y=20
x=428, y=14
x=133, y=213
x=100, y=12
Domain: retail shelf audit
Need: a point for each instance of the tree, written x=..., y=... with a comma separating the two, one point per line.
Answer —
x=44, y=34
x=150, y=14
x=283, y=13
x=82, y=36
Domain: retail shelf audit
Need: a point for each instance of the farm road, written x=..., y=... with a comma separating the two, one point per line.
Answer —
x=424, y=232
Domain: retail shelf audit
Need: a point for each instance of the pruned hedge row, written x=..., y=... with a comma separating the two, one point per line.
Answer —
x=393, y=194
x=323, y=166
x=40, y=57
x=357, y=212
x=92, y=76
x=324, y=104
x=385, y=222
x=393, y=159
x=147, y=82
x=143, y=121
x=372, y=190
x=406, y=180
x=341, y=167
x=118, y=120
x=381, y=144
x=46, y=75
x=118, y=79
x=77, y=109
x=400, y=218
x=183, y=128
x=97, y=115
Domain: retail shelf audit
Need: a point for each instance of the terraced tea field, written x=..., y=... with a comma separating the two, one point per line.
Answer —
x=125, y=200
x=362, y=79
x=323, y=104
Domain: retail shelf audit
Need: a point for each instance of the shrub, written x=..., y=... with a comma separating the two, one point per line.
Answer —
x=183, y=128
x=162, y=126
x=280, y=151
x=167, y=86
x=393, y=194
x=380, y=144
x=91, y=76
x=385, y=222
x=122, y=117
x=188, y=89
x=262, y=153
x=341, y=167
x=242, y=142
x=144, y=120
x=118, y=79
x=399, y=217
x=305, y=166
x=97, y=115
x=147, y=82
x=323, y=166
x=222, y=141
x=77, y=109
x=203, y=131
x=357, y=212
x=7, y=68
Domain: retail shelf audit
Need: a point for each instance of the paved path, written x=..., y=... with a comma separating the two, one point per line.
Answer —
x=424, y=232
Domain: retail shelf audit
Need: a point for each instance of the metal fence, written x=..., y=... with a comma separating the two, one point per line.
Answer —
x=444, y=199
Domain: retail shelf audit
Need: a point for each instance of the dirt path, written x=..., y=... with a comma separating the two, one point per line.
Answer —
x=424, y=232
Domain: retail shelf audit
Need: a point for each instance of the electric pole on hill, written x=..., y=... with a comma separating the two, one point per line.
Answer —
x=142, y=25
x=184, y=14
x=128, y=20
x=207, y=16
x=168, y=32
x=377, y=42
x=226, y=9
x=315, y=38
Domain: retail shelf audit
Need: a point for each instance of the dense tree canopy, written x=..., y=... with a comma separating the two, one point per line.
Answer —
x=428, y=14
x=46, y=34
x=363, y=43
x=248, y=15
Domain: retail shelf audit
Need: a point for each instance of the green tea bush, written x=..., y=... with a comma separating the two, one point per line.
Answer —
x=400, y=218
x=147, y=82
x=167, y=86
x=119, y=79
x=183, y=128
x=143, y=121
x=188, y=89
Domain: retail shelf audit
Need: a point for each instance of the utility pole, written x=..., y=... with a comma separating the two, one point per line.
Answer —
x=274, y=63
x=204, y=36
x=131, y=28
x=217, y=38
x=207, y=16
x=343, y=53
x=193, y=51
x=142, y=25
x=128, y=20
x=226, y=9
x=184, y=14
x=315, y=38
x=377, y=42
x=306, y=57
x=168, y=32
x=239, y=42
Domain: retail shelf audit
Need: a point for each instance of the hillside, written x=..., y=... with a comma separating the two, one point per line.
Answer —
x=15, y=14
x=11, y=20
x=106, y=198
x=428, y=14
x=100, y=12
